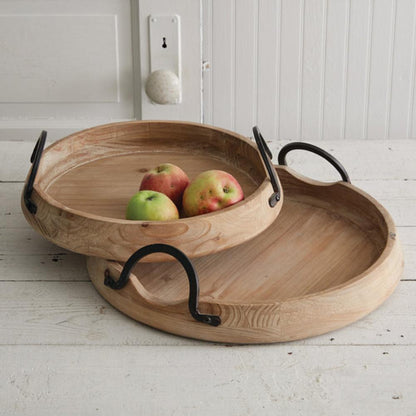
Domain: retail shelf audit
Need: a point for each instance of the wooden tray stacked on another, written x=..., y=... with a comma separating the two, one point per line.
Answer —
x=84, y=182
x=328, y=259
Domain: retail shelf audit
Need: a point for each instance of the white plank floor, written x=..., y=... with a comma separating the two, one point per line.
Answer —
x=64, y=350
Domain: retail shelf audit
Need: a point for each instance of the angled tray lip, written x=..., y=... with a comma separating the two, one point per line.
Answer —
x=43, y=194
x=391, y=244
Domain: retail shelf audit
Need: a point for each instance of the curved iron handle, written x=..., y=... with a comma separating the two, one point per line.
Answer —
x=213, y=320
x=267, y=156
x=314, y=149
x=35, y=160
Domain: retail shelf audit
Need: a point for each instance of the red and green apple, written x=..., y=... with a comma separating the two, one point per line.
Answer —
x=168, y=179
x=210, y=191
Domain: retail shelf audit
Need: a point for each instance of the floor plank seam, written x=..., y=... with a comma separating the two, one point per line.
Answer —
x=211, y=344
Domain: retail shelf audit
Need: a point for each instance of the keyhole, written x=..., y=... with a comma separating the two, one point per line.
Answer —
x=164, y=43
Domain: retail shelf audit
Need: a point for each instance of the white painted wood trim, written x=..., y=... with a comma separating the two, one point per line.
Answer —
x=189, y=12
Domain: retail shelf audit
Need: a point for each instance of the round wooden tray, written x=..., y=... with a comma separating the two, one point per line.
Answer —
x=78, y=188
x=331, y=257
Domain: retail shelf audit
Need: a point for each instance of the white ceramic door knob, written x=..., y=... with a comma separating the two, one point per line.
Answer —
x=163, y=87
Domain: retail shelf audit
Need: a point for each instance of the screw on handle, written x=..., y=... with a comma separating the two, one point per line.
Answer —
x=314, y=149
x=35, y=160
x=213, y=320
x=267, y=156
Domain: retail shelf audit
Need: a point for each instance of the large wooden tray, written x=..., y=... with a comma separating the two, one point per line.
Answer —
x=83, y=183
x=331, y=257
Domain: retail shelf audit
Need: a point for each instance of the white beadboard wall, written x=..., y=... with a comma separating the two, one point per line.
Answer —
x=311, y=69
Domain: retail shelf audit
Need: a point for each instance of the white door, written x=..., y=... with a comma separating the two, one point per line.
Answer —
x=70, y=64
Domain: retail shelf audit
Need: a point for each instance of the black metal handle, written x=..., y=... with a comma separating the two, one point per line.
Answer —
x=35, y=160
x=267, y=157
x=314, y=149
x=213, y=320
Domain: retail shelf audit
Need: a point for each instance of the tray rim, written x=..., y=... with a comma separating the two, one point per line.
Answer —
x=391, y=244
x=79, y=231
x=43, y=194
x=265, y=322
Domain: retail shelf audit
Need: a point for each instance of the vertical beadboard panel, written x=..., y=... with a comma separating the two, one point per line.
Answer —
x=402, y=69
x=315, y=29
x=207, y=36
x=268, y=67
x=223, y=63
x=379, y=89
x=335, y=69
x=411, y=123
x=291, y=49
x=246, y=36
x=358, y=62
x=312, y=69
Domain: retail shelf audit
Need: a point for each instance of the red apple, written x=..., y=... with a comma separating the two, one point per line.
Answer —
x=168, y=179
x=210, y=191
x=151, y=206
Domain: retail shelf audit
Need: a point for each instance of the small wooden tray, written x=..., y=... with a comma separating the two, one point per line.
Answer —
x=78, y=189
x=330, y=258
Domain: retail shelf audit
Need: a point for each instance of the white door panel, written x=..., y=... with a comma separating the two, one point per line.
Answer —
x=66, y=65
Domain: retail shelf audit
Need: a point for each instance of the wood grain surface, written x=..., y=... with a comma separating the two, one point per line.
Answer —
x=330, y=258
x=86, y=180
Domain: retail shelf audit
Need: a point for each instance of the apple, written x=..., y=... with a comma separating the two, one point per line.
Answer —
x=210, y=191
x=151, y=206
x=168, y=179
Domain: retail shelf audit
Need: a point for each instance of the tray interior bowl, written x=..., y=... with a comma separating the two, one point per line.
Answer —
x=329, y=258
x=103, y=184
x=93, y=174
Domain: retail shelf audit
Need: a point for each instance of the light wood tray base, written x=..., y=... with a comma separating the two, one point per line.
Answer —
x=331, y=257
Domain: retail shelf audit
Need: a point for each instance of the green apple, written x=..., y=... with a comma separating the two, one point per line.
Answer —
x=151, y=206
x=210, y=191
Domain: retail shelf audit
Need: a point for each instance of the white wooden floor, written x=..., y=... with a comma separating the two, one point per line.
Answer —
x=65, y=351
